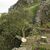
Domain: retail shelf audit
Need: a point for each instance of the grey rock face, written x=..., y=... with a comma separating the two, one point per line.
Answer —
x=21, y=3
x=29, y=1
x=21, y=48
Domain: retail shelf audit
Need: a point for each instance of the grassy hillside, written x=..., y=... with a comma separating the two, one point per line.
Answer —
x=21, y=21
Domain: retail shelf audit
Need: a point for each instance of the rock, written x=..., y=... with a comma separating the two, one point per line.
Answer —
x=23, y=39
x=20, y=48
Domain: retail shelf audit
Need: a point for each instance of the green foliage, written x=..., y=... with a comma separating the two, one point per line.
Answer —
x=12, y=24
x=38, y=48
x=33, y=47
x=17, y=22
x=42, y=48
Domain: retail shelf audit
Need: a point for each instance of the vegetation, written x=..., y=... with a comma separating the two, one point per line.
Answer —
x=21, y=21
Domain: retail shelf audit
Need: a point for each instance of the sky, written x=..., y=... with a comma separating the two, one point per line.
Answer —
x=5, y=4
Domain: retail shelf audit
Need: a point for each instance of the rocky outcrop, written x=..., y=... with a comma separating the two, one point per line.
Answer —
x=21, y=3
x=21, y=48
x=43, y=12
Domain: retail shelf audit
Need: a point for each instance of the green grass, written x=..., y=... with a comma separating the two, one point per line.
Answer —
x=33, y=47
x=32, y=9
x=48, y=24
x=39, y=48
